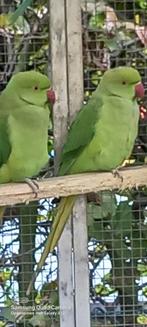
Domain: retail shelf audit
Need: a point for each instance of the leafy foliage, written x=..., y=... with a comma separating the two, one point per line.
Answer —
x=114, y=33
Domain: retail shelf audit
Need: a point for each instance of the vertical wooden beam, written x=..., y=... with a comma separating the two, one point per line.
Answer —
x=67, y=76
x=60, y=114
x=74, y=56
x=75, y=95
x=59, y=73
x=82, y=300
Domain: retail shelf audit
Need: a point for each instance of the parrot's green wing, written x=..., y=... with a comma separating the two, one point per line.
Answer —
x=81, y=132
x=5, y=146
x=112, y=113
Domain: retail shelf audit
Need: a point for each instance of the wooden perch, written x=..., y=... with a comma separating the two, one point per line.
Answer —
x=73, y=184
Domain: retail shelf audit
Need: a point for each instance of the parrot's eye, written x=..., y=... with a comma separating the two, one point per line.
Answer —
x=124, y=83
x=35, y=87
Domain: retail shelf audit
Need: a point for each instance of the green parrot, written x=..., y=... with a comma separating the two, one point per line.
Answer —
x=100, y=139
x=24, y=121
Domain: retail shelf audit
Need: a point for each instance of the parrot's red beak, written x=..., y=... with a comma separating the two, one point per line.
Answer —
x=139, y=90
x=51, y=96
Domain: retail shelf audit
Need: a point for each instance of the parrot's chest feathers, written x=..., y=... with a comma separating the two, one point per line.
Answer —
x=116, y=137
x=113, y=141
x=29, y=147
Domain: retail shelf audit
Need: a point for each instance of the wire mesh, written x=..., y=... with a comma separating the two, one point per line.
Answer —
x=22, y=236
x=24, y=46
x=114, y=34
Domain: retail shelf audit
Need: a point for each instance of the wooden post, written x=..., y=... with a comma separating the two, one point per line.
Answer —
x=75, y=89
x=66, y=41
x=60, y=113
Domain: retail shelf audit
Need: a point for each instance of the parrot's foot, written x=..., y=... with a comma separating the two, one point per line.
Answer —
x=117, y=174
x=33, y=185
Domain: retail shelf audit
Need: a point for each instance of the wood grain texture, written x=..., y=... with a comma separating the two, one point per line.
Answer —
x=75, y=95
x=58, y=39
x=74, y=184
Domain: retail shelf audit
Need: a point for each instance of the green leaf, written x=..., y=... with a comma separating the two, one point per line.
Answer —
x=142, y=319
x=97, y=20
x=20, y=11
x=107, y=277
x=107, y=207
x=100, y=214
x=138, y=244
x=142, y=4
x=142, y=268
x=23, y=25
x=4, y=20
x=122, y=221
x=144, y=291
x=112, y=44
x=121, y=249
x=103, y=290
x=94, y=79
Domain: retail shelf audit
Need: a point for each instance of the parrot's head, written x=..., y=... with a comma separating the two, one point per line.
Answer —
x=32, y=87
x=123, y=82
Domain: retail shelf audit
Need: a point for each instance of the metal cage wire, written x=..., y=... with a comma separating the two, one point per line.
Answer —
x=113, y=34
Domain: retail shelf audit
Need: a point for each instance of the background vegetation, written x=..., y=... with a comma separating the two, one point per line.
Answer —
x=114, y=34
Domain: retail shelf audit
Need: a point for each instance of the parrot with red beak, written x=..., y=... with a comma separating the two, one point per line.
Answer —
x=24, y=122
x=101, y=137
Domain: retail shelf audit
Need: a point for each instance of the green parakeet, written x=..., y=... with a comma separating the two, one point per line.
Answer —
x=24, y=121
x=101, y=137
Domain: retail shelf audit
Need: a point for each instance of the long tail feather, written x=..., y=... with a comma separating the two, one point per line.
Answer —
x=2, y=211
x=63, y=211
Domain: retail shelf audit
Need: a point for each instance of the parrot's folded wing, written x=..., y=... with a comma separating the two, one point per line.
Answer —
x=81, y=132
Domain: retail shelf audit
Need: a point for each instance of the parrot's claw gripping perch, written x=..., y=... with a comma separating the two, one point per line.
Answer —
x=33, y=185
x=116, y=173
